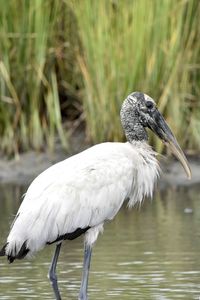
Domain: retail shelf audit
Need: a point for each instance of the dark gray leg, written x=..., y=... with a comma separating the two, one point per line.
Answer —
x=52, y=272
x=86, y=268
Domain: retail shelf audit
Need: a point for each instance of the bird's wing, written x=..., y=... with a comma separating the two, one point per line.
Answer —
x=82, y=191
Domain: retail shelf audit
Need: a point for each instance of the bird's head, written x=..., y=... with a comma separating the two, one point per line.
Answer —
x=138, y=112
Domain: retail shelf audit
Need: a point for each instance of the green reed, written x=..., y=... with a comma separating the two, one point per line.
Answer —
x=151, y=46
x=97, y=51
x=29, y=106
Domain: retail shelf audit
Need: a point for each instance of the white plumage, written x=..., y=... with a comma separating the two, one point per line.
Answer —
x=77, y=195
x=83, y=190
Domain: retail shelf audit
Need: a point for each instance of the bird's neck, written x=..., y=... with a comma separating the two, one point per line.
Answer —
x=133, y=129
x=135, y=132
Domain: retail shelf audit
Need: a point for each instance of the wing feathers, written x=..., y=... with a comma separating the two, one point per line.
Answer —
x=78, y=193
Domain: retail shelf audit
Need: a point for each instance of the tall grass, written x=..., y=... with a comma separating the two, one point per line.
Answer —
x=99, y=51
x=29, y=106
x=151, y=46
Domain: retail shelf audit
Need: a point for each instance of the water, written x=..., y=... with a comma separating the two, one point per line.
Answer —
x=147, y=253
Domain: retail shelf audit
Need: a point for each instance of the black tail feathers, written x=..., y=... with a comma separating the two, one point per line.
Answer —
x=11, y=257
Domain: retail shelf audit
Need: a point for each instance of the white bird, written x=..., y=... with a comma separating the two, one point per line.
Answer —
x=76, y=196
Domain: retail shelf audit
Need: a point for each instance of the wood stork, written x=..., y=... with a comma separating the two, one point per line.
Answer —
x=76, y=196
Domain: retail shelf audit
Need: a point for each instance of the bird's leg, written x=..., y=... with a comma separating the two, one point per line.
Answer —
x=52, y=272
x=86, y=267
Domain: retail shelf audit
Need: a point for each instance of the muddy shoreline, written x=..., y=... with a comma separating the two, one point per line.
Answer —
x=23, y=170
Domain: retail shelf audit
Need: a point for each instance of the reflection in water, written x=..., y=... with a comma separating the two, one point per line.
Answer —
x=147, y=253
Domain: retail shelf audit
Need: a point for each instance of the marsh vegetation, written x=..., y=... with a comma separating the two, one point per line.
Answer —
x=75, y=61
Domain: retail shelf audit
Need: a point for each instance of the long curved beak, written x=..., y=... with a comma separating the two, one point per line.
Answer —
x=158, y=125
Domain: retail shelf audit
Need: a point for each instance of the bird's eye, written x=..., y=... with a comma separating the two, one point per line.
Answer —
x=149, y=104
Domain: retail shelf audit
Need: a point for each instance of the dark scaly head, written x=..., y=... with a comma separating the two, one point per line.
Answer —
x=139, y=112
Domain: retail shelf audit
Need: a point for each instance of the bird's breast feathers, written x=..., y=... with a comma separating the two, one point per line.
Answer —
x=108, y=172
x=87, y=189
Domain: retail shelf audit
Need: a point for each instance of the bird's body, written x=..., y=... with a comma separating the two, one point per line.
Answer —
x=77, y=195
x=82, y=192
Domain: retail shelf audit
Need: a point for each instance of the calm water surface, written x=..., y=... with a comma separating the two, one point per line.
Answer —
x=147, y=253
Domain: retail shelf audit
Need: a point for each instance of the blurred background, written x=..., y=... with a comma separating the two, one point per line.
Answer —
x=65, y=64
x=65, y=68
